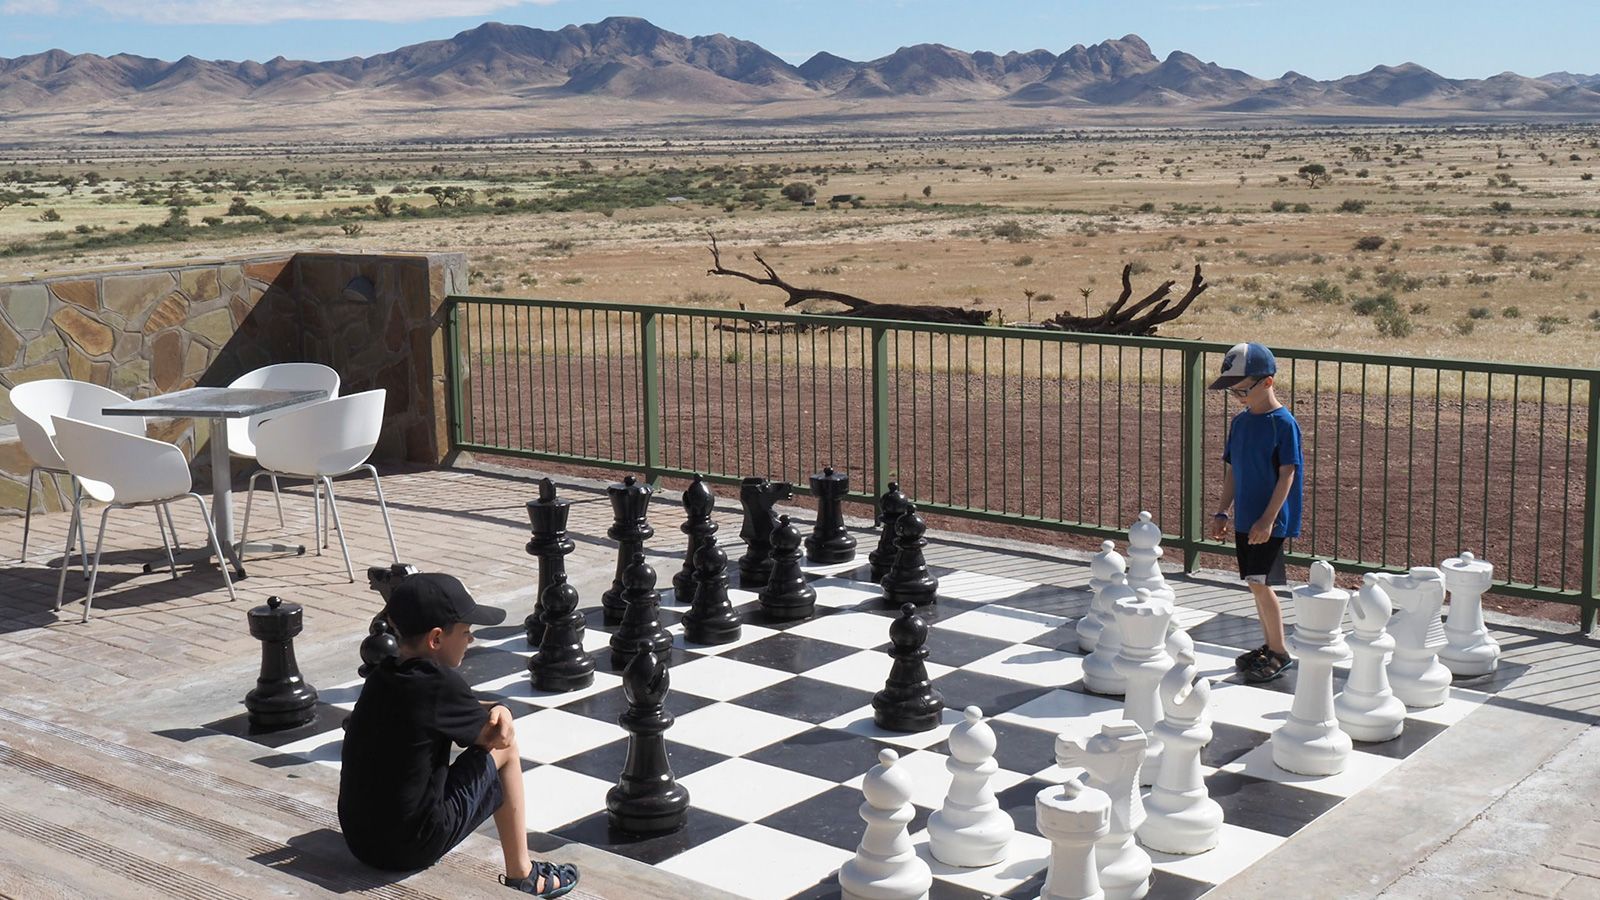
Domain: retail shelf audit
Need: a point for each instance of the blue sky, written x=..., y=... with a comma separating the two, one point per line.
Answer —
x=1459, y=39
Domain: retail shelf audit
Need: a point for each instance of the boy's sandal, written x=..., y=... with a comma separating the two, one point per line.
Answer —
x=1248, y=658
x=558, y=880
x=1268, y=667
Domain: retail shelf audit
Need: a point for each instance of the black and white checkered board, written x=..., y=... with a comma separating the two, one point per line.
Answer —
x=774, y=733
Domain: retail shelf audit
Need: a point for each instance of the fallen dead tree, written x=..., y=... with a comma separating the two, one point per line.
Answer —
x=1141, y=318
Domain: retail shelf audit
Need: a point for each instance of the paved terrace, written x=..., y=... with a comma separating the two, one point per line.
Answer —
x=110, y=789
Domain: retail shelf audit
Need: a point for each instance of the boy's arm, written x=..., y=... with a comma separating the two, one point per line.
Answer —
x=496, y=733
x=1261, y=531
x=1219, y=521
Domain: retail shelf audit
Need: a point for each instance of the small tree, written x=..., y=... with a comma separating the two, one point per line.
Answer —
x=436, y=192
x=1314, y=174
x=9, y=198
x=70, y=182
x=384, y=205
x=798, y=191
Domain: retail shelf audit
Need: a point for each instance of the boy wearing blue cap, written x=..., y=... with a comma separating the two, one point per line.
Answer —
x=1261, y=478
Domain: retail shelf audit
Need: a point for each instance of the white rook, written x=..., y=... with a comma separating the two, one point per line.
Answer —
x=1103, y=567
x=1143, y=662
x=1074, y=818
x=885, y=866
x=1310, y=742
x=1415, y=673
x=1111, y=761
x=971, y=829
x=1468, y=650
x=1367, y=709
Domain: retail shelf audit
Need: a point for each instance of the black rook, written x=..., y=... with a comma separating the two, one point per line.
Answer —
x=828, y=542
x=281, y=698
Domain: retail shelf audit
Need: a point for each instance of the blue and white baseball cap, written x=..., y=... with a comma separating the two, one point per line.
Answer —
x=1243, y=361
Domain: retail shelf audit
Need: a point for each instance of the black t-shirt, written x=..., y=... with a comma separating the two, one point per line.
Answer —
x=397, y=754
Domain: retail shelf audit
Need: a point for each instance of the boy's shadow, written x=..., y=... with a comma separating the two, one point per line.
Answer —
x=321, y=858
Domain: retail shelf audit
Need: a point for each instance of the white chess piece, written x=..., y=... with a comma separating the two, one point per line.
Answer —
x=1180, y=816
x=971, y=829
x=1074, y=818
x=1100, y=673
x=1310, y=742
x=1468, y=650
x=1415, y=674
x=1103, y=567
x=1144, y=558
x=1143, y=662
x=1367, y=709
x=1111, y=761
x=885, y=866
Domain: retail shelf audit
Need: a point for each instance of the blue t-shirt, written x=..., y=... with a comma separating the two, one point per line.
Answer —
x=1258, y=443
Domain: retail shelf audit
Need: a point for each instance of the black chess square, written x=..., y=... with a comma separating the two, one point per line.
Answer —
x=1268, y=806
x=1019, y=800
x=825, y=753
x=606, y=761
x=806, y=699
x=949, y=647
x=832, y=817
x=1018, y=748
x=596, y=831
x=993, y=695
x=789, y=653
x=1228, y=743
x=1415, y=734
x=324, y=718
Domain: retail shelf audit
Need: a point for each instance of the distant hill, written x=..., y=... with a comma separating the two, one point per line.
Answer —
x=629, y=59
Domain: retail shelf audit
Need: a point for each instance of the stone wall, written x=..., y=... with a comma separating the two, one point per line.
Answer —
x=157, y=329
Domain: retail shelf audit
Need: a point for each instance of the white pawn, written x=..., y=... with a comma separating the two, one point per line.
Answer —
x=1103, y=567
x=1100, y=673
x=885, y=866
x=1180, y=816
x=1310, y=742
x=1143, y=662
x=1111, y=761
x=1074, y=818
x=971, y=829
x=1144, y=558
x=1469, y=650
x=1367, y=709
x=1415, y=673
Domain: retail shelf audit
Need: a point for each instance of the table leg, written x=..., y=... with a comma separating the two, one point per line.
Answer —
x=222, y=492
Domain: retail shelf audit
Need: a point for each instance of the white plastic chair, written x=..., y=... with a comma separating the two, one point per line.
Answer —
x=322, y=442
x=36, y=402
x=279, y=377
x=125, y=470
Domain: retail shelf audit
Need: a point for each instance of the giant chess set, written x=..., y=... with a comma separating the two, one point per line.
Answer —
x=808, y=723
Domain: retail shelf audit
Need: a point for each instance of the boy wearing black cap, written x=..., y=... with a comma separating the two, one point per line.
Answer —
x=402, y=804
x=1261, y=477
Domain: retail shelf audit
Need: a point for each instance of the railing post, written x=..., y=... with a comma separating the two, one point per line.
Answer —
x=1193, y=502
x=1591, y=512
x=880, y=409
x=650, y=368
x=453, y=363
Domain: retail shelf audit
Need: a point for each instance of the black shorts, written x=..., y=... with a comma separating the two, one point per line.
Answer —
x=1260, y=563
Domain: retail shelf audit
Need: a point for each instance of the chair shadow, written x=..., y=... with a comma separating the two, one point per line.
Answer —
x=119, y=587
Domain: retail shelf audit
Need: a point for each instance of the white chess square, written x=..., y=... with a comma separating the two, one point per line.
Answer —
x=839, y=593
x=930, y=778
x=1237, y=849
x=552, y=734
x=1070, y=713
x=718, y=678
x=1001, y=623
x=758, y=862
x=853, y=629
x=811, y=568
x=1028, y=855
x=1031, y=665
x=982, y=588
x=1460, y=703
x=1249, y=707
x=1189, y=617
x=518, y=686
x=729, y=788
x=558, y=796
x=733, y=730
x=1360, y=771
x=865, y=670
x=1214, y=660
x=326, y=748
x=860, y=722
x=748, y=634
x=344, y=695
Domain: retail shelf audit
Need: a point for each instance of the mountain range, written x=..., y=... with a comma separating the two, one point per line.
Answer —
x=629, y=59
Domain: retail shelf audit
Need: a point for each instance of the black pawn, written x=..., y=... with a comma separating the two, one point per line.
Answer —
x=381, y=642
x=561, y=663
x=647, y=798
x=711, y=620
x=281, y=699
x=698, y=503
x=787, y=595
x=758, y=496
x=909, y=701
x=549, y=545
x=630, y=504
x=909, y=580
x=828, y=542
x=891, y=506
x=641, y=629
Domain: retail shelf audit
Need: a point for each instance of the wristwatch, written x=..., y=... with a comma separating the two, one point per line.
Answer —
x=1221, y=515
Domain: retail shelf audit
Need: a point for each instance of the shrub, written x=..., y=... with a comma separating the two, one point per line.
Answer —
x=1478, y=312
x=1500, y=206
x=50, y=215
x=1370, y=243
x=1014, y=231
x=1499, y=253
x=1302, y=207
x=1366, y=306
x=1023, y=260
x=1147, y=207
x=1511, y=312
x=1394, y=323
x=1464, y=327
x=1279, y=205
x=1322, y=291
x=798, y=191
x=1353, y=206
x=1549, y=324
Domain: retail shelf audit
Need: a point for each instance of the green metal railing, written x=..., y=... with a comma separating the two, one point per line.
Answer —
x=1408, y=460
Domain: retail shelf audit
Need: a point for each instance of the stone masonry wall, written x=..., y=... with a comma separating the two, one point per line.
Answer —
x=157, y=329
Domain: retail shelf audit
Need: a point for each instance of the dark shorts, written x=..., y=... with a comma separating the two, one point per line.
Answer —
x=472, y=793
x=1260, y=563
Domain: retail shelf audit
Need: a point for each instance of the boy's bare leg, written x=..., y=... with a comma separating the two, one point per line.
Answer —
x=1271, y=616
x=510, y=819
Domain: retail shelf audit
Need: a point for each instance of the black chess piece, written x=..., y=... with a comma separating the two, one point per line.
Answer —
x=891, y=506
x=909, y=580
x=711, y=620
x=281, y=699
x=758, y=496
x=549, y=545
x=647, y=798
x=630, y=505
x=698, y=504
x=641, y=623
x=829, y=542
x=561, y=663
x=787, y=595
x=909, y=701
x=381, y=642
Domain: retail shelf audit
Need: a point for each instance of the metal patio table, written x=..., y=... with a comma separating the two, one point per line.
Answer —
x=219, y=404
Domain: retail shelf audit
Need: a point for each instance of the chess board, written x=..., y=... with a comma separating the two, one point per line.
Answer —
x=774, y=733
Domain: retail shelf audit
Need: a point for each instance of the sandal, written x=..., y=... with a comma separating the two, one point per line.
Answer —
x=1248, y=658
x=558, y=879
x=1268, y=667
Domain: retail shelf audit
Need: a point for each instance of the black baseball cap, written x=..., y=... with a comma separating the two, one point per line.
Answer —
x=430, y=600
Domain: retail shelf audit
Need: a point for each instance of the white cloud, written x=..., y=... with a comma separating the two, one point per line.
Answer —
x=258, y=12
